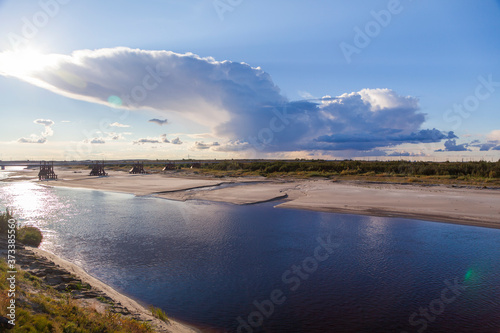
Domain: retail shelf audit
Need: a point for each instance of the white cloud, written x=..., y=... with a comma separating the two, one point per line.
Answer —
x=42, y=138
x=233, y=146
x=305, y=95
x=379, y=99
x=494, y=136
x=200, y=145
x=48, y=126
x=237, y=102
x=161, y=139
x=177, y=141
x=116, y=124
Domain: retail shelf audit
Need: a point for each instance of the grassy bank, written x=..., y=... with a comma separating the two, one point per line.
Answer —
x=26, y=235
x=41, y=308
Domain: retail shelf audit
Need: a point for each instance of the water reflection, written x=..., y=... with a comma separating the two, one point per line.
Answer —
x=208, y=262
x=37, y=205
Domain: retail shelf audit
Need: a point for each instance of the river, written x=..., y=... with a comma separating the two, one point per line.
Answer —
x=256, y=268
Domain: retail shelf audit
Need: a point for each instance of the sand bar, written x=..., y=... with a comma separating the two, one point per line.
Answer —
x=141, y=184
x=462, y=205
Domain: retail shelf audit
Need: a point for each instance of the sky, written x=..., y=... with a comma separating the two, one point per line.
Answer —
x=205, y=79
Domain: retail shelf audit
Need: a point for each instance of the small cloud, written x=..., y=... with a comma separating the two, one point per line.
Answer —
x=200, y=135
x=494, y=136
x=47, y=123
x=177, y=141
x=160, y=122
x=44, y=122
x=161, y=139
x=33, y=139
x=305, y=95
x=116, y=124
x=233, y=146
x=451, y=145
x=493, y=142
x=485, y=146
x=142, y=141
x=97, y=141
x=115, y=136
x=403, y=153
x=200, y=145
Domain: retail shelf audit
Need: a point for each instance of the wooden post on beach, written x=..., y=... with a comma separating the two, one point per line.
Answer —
x=98, y=169
x=169, y=166
x=195, y=165
x=46, y=171
x=137, y=168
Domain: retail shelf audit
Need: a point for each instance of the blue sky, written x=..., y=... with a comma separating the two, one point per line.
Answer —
x=422, y=83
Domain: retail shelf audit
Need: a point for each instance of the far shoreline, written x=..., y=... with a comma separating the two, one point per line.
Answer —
x=462, y=205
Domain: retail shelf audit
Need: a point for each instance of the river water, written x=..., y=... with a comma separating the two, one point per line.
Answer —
x=256, y=268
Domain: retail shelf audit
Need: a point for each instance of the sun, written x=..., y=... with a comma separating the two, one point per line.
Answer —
x=23, y=62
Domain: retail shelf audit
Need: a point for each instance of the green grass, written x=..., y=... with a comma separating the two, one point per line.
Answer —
x=158, y=313
x=40, y=308
x=105, y=300
x=30, y=236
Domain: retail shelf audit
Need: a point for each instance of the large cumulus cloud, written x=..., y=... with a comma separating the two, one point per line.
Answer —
x=241, y=104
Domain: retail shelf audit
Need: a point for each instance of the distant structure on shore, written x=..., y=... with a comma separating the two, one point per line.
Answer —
x=98, y=169
x=46, y=171
x=195, y=165
x=137, y=168
x=169, y=166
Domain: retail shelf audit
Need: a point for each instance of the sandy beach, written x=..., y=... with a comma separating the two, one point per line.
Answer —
x=443, y=203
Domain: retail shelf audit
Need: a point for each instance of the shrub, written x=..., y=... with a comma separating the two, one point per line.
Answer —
x=4, y=219
x=158, y=313
x=30, y=236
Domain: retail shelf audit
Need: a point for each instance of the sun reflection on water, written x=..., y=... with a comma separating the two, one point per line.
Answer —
x=30, y=202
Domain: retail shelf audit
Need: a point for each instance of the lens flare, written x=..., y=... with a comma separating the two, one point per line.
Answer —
x=115, y=101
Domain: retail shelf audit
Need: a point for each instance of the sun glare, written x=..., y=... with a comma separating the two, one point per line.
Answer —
x=23, y=62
